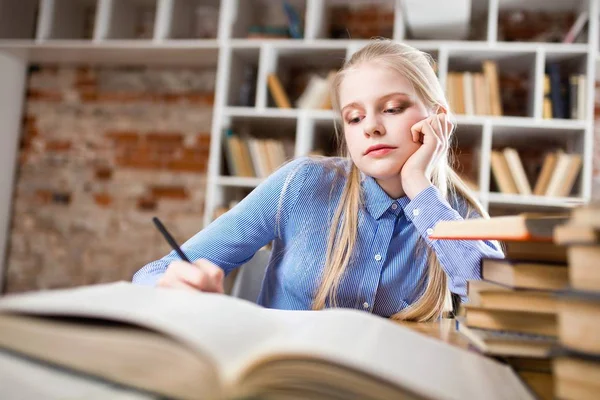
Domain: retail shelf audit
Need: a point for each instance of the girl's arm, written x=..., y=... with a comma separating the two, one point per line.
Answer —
x=234, y=237
x=461, y=259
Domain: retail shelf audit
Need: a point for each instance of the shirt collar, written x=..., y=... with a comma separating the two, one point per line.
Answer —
x=377, y=201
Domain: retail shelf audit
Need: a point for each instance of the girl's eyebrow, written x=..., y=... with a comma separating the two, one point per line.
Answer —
x=358, y=104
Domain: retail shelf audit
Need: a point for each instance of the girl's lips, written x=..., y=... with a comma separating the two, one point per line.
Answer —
x=382, y=151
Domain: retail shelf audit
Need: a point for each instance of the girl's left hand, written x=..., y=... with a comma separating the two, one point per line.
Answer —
x=434, y=134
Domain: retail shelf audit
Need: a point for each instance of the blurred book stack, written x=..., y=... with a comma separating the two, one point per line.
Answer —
x=512, y=312
x=576, y=360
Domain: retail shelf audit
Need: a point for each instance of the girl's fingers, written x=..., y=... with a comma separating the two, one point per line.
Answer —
x=416, y=131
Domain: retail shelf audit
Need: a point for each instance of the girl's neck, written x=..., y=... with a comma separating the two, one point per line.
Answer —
x=393, y=187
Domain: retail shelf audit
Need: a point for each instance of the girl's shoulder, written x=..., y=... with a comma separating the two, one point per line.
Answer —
x=318, y=170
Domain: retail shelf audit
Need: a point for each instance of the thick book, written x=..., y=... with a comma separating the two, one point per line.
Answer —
x=525, y=226
x=576, y=374
x=579, y=321
x=501, y=297
x=500, y=343
x=526, y=274
x=536, y=323
x=185, y=344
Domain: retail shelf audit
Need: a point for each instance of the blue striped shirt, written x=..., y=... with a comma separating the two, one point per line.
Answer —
x=293, y=208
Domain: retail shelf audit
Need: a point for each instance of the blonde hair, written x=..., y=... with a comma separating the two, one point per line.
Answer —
x=417, y=67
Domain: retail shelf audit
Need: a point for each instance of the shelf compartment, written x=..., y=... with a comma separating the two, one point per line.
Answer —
x=127, y=19
x=359, y=20
x=546, y=155
x=65, y=19
x=539, y=21
x=472, y=75
x=243, y=77
x=259, y=19
x=188, y=19
x=251, y=148
x=18, y=19
x=296, y=67
x=456, y=20
x=466, y=160
x=564, y=94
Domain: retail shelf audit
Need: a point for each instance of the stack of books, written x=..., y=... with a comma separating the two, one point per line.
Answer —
x=512, y=312
x=576, y=361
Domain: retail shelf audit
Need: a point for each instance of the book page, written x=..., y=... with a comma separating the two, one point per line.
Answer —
x=393, y=352
x=218, y=326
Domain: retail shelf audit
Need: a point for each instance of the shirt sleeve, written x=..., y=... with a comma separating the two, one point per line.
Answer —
x=234, y=237
x=460, y=259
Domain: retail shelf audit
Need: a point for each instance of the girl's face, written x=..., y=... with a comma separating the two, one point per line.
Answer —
x=379, y=106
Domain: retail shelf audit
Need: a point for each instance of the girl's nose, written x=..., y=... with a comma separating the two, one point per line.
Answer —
x=373, y=127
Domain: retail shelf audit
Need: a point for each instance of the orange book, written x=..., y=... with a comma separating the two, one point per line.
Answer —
x=277, y=91
x=525, y=226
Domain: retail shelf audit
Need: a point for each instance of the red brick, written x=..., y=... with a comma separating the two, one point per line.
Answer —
x=200, y=98
x=103, y=199
x=203, y=140
x=130, y=137
x=58, y=145
x=103, y=173
x=169, y=192
x=161, y=138
x=187, y=166
x=88, y=95
x=44, y=95
x=44, y=196
x=147, y=203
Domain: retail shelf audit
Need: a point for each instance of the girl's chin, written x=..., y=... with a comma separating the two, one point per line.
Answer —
x=381, y=173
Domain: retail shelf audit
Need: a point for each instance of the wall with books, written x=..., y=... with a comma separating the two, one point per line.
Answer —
x=519, y=75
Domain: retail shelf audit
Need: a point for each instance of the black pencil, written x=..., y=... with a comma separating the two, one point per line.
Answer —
x=170, y=239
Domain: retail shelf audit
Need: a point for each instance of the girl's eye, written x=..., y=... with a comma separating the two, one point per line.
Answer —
x=354, y=120
x=395, y=110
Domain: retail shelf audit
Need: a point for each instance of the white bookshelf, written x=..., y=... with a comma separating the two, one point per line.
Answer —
x=55, y=31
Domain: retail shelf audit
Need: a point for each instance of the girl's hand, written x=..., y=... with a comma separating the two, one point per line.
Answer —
x=434, y=134
x=201, y=275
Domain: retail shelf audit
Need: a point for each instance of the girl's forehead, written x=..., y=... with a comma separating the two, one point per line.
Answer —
x=372, y=80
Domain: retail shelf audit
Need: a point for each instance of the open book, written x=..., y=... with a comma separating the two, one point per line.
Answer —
x=184, y=344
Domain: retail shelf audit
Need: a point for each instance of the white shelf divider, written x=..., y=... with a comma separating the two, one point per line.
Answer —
x=44, y=22
x=164, y=19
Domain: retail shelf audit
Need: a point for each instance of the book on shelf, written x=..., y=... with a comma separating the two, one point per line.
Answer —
x=249, y=156
x=564, y=94
x=277, y=91
x=475, y=93
x=516, y=170
x=502, y=173
x=577, y=27
x=565, y=174
x=218, y=346
x=557, y=176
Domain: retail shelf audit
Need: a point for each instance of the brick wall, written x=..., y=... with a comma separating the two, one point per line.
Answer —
x=596, y=169
x=102, y=151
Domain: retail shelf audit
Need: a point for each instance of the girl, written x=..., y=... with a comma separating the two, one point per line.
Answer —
x=353, y=231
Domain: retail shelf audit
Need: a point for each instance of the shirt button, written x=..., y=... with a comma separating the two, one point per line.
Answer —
x=429, y=231
x=377, y=257
x=394, y=206
x=365, y=305
x=416, y=212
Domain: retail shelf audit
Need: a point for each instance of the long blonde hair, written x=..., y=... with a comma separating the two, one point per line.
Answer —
x=417, y=67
